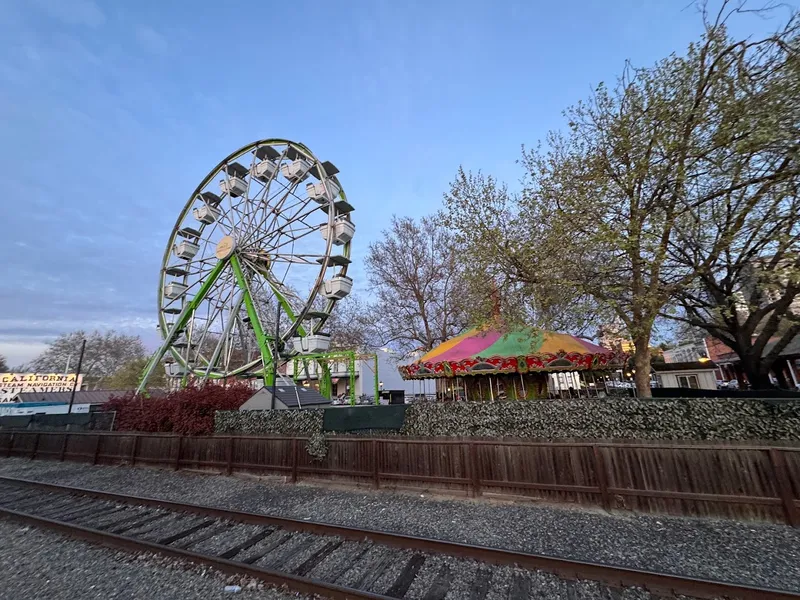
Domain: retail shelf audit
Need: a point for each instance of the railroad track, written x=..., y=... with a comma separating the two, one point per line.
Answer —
x=333, y=561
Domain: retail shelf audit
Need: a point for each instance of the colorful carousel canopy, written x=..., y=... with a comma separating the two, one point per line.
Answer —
x=489, y=351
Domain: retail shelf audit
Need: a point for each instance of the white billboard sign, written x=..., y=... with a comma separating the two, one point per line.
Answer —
x=12, y=384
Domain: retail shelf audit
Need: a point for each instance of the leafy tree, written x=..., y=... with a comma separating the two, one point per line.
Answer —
x=604, y=203
x=417, y=275
x=511, y=268
x=105, y=354
x=3, y=364
x=748, y=295
x=128, y=375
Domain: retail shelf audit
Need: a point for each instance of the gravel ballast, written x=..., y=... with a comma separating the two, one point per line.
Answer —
x=747, y=553
x=36, y=564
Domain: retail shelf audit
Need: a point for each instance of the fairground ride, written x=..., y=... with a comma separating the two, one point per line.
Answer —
x=254, y=266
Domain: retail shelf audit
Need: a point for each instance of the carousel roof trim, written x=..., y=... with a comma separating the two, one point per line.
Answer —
x=475, y=351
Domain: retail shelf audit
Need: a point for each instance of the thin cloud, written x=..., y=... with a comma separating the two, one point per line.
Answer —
x=73, y=12
x=151, y=40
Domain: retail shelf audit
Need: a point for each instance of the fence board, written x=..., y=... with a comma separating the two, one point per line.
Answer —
x=740, y=481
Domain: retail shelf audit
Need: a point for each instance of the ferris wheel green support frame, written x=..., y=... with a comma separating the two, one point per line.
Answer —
x=180, y=323
x=269, y=372
x=323, y=359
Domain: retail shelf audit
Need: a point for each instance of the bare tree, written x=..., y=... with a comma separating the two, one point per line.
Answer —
x=352, y=325
x=417, y=275
x=105, y=354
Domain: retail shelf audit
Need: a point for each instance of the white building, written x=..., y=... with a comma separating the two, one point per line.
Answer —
x=691, y=375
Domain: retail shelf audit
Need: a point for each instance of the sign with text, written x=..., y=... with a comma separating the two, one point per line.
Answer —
x=12, y=384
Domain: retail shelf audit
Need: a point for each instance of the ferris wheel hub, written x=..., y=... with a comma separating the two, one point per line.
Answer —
x=225, y=247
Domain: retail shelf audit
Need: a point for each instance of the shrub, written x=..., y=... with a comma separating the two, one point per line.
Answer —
x=189, y=411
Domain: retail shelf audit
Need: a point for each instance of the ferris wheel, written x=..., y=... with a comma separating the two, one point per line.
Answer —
x=254, y=266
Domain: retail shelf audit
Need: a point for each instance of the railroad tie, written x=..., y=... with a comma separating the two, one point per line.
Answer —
x=316, y=558
x=441, y=585
x=248, y=543
x=406, y=577
x=480, y=587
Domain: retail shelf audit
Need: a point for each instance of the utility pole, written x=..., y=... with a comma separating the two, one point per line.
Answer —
x=77, y=377
x=275, y=358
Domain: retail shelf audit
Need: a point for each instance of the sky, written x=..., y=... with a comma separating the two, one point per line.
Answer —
x=112, y=112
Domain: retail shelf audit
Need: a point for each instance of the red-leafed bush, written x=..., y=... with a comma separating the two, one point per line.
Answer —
x=189, y=411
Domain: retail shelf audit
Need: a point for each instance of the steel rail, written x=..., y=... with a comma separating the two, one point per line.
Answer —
x=304, y=585
x=610, y=575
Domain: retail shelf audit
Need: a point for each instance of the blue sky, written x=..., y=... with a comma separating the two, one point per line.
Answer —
x=112, y=112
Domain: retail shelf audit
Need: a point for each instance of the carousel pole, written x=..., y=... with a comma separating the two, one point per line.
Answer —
x=522, y=384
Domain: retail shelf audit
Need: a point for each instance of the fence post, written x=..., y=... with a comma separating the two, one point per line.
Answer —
x=96, y=448
x=63, y=447
x=229, y=468
x=602, y=478
x=376, y=471
x=476, y=476
x=35, y=445
x=134, y=449
x=784, y=486
x=10, y=445
x=178, y=453
x=294, y=459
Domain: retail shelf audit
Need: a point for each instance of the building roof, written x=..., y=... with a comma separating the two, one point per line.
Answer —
x=81, y=396
x=706, y=365
x=289, y=395
x=792, y=348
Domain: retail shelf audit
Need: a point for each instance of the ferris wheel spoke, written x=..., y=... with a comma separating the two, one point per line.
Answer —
x=292, y=239
x=260, y=199
x=281, y=230
x=273, y=212
x=288, y=219
x=298, y=259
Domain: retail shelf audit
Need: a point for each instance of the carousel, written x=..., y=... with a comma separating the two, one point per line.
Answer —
x=487, y=364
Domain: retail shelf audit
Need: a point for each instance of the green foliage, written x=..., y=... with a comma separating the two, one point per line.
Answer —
x=128, y=375
x=606, y=203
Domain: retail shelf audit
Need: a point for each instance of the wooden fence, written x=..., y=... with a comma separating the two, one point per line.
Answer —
x=739, y=481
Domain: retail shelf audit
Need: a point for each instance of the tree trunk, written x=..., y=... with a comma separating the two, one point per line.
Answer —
x=641, y=361
x=757, y=379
